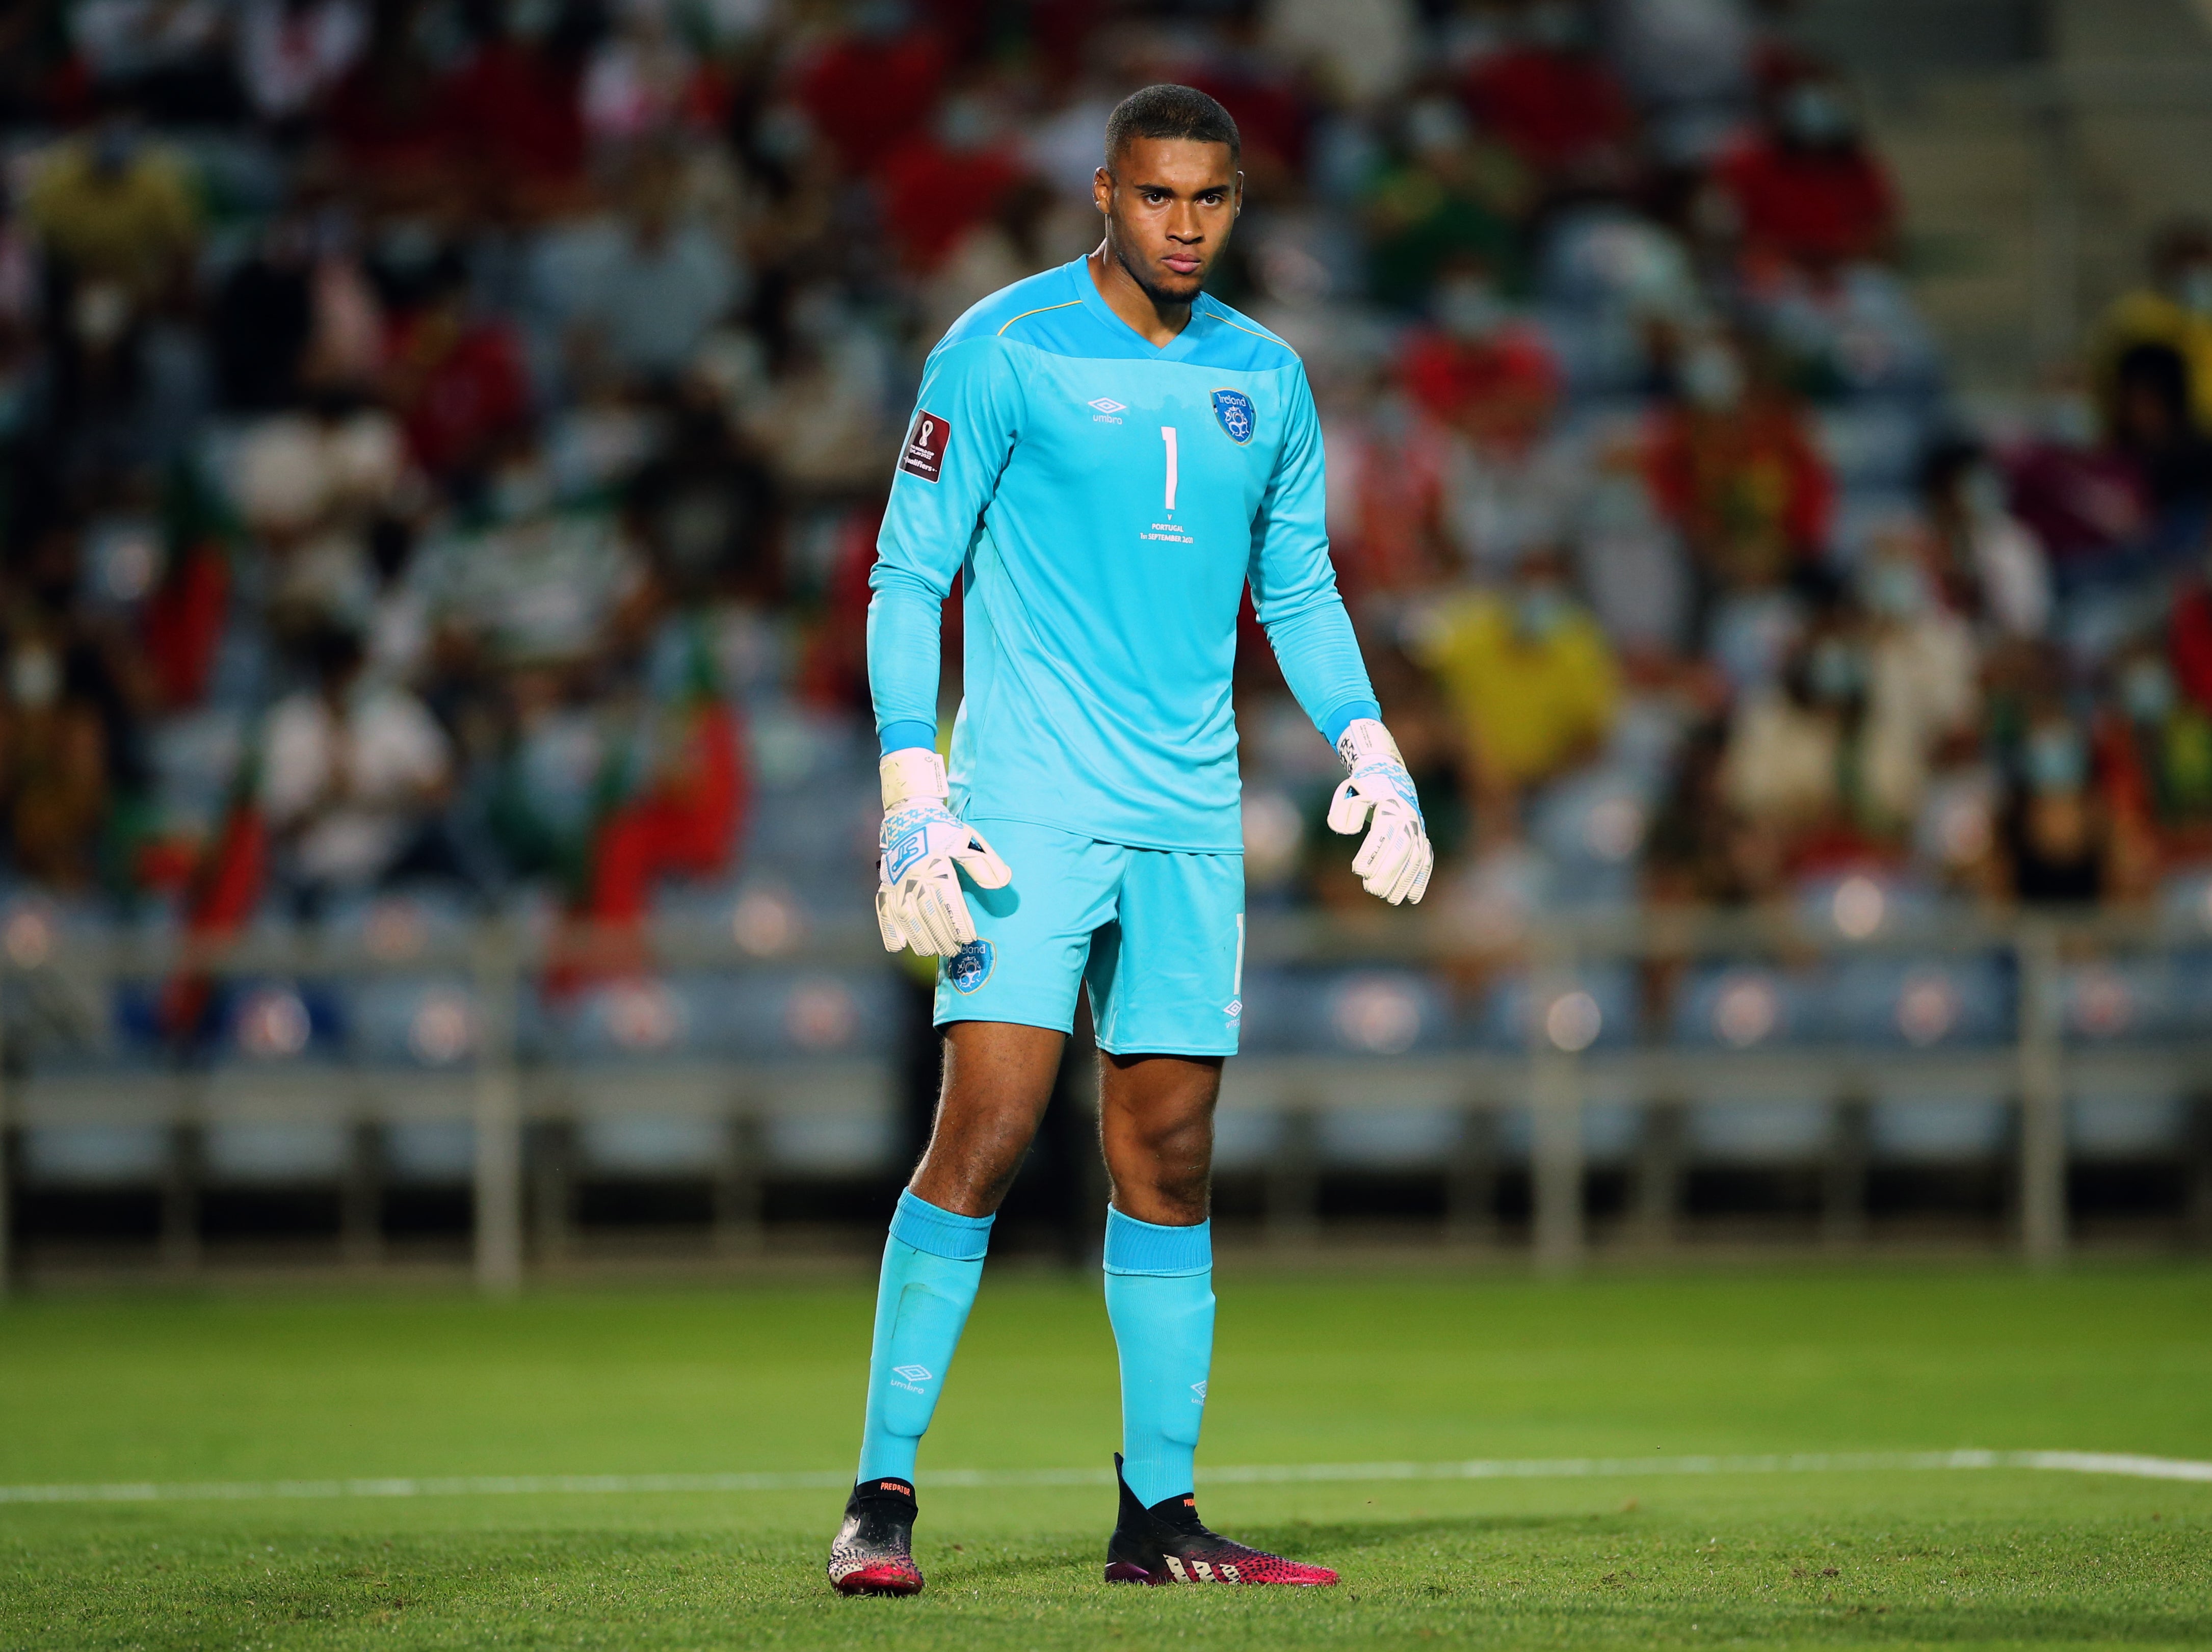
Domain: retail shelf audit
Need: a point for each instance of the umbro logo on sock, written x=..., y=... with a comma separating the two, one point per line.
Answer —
x=1198, y=1388
x=911, y=1377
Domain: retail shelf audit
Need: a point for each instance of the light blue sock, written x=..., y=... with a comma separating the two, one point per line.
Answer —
x=1159, y=1295
x=932, y=1263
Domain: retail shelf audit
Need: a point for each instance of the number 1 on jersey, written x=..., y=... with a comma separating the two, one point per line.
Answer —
x=1168, y=435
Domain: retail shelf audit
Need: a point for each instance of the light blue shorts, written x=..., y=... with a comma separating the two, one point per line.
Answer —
x=1158, y=936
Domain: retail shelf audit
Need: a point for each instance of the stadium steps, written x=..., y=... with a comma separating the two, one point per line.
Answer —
x=1956, y=123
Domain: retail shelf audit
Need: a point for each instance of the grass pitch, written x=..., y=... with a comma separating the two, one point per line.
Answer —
x=1352, y=1370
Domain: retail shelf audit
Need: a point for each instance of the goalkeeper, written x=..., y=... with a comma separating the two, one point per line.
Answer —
x=1105, y=458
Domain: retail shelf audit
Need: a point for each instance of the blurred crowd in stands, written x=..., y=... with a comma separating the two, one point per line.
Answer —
x=442, y=442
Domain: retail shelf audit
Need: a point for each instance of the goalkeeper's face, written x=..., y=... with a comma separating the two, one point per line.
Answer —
x=1168, y=203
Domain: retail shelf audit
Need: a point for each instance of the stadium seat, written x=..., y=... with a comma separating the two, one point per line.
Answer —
x=1387, y=1137
x=291, y=1151
x=644, y=1145
x=1961, y=1000
x=93, y=1154
x=2124, y=997
x=1935, y=1128
x=2124, y=1127
x=1598, y=1009
x=1794, y=1131
x=1744, y=1006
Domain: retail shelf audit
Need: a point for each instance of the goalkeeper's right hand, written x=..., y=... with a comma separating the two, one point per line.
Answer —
x=924, y=845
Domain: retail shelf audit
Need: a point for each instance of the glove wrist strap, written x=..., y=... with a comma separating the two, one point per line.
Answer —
x=1364, y=738
x=917, y=772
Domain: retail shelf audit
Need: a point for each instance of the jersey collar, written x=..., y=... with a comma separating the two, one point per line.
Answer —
x=1174, y=350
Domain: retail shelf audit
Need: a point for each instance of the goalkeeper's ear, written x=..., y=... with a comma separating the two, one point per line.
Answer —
x=982, y=863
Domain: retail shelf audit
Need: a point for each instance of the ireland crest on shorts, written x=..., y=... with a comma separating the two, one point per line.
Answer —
x=1234, y=408
x=970, y=966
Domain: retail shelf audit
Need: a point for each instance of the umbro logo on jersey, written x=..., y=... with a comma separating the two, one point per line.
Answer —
x=1108, y=404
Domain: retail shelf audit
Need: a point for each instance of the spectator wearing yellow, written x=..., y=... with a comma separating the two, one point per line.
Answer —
x=1529, y=679
x=116, y=210
x=2174, y=309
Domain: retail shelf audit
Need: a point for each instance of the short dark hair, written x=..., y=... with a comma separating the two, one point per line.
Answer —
x=1172, y=112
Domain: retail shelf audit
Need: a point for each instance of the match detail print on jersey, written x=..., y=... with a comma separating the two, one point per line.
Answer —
x=925, y=446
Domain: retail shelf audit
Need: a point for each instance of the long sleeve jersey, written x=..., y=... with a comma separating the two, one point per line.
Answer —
x=1105, y=502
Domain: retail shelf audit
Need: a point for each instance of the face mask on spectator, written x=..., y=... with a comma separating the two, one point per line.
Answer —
x=1434, y=124
x=1816, y=116
x=111, y=151
x=965, y=124
x=35, y=676
x=1985, y=493
x=521, y=490
x=1712, y=377
x=879, y=19
x=1468, y=306
x=2147, y=691
x=531, y=20
x=1558, y=25
x=1540, y=609
x=1833, y=671
x=2056, y=760
x=1899, y=591
x=101, y=313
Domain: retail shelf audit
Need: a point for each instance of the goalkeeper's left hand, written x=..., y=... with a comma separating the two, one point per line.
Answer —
x=1396, y=860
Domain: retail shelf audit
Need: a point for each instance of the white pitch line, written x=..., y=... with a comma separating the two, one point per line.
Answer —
x=1541, y=1468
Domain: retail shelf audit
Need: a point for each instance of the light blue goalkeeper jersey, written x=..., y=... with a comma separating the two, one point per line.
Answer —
x=1105, y=502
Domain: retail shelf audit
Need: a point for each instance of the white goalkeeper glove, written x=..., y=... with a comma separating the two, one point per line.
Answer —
x=1396, y=860
x=918, y=899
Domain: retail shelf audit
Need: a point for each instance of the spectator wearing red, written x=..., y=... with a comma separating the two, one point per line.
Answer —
x=2189, y=644
x=1732, y=467
x=937, y=187
x=1479, y=368
x=871, y=88
x=392, y=118
x=1806, y=188
x=1270, y=113
x=519, y=109
x=456, y=380
x=1552, y=98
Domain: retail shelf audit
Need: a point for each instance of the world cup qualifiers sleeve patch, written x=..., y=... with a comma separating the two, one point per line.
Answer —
x=1234, y=408
x=925, y=446
x=970, y=966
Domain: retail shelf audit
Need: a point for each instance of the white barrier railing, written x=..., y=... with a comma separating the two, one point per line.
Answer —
x=501, y=1094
